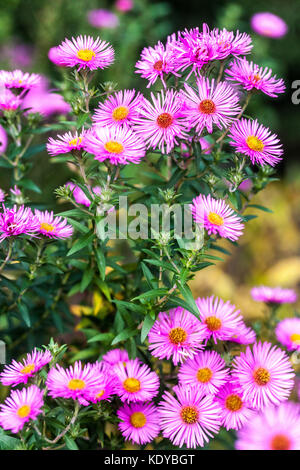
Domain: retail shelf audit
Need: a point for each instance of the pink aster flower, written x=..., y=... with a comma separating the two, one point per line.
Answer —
x=17, y=221
x=103, y=19
x=252, y=76
x=244, y=335
x=191, y=418
x=161, y=124
x=216, y=217
x=2, y=195
x=124, y=5
x=53, y=55
x=228, y=42
x=288, y=333
x=175, y=335
x=40, y=100
x=105, y=386
x=8, y=101
x=53, y=226
x=157, y=62
x=220, y=320
x=268, y=24
x=212, y=105
x=276, y=428
x=20, y=372
x=79, y=382
x=265, y=375
x=19, y=79
x=256, y=141
x=66, y=143
x=115, y=357
x=119, y=145
x=3, y=140
x=139, y=422
x=85, y=52
x=135, y=381
x=235, y=411
x=80, y=196
x=273, y=295
x=21, y=407
x=120, y=109
x=206, y=371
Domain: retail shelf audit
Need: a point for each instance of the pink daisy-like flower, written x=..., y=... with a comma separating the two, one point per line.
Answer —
x=252, y=76
x=276, y=428
x=17, y=221
x=220, y=320
x=8, y=101
x=244, y=335
x=216, y=217
x=120, y=109
x=268, y=24
x=256, y=141
x=124, y=5
x=161, y=124
x=20, y=372
x=213, y=105
x=226, y=43
x=119, y=145
x=79, y=382
x=265, y=375
x=175, y=335
x=53, y=55
x=157, y=62
x=139, y=422
x=288, y=333
x=115, y=356
x=274, y=295
x=135, y=381
x=80, y=196
x=66, y=143
x=105, y=386
x=85, y=52
x=19, y=79
x=191, y=418
x=2, y=195
x=21, y=407
x=206, y=371
x=103, y=19
x=3, y=140
x=235, y=411
x=53, y=226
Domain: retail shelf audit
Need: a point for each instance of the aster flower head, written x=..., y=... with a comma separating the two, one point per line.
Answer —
x=66, y=143
x=85, y=52
x=53, y=55
x=115, y=357
x=119, y=145
x=2, y=195
x=21, y=407
x=19, y=372
x=8, y=101
x=79, y=194
x=288, y=333
x=139, y=422
x=102, y=18
x=124, y=5
x=228, y=42
x=235, y=411
x=256, y=141
x=205, y=371
x=216, y=217
x=18, y=220
x=53, y=226
x=105, y=386
x=18, y=79
x=265, y=375
x=175, y=335
x=275, y=428
x=79, y=382
x=214, y=104
x=3, y=141
x=244, y=335
x=274, y=295
x=252, y=76
x=120, y=109
x=268, y=24
x=191, y=418
x=161, y=123
x=135, y=381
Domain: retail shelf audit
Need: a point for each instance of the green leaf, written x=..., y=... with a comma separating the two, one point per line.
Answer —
x=125, y=334
x=28, y=184
x=147, y=325
x=7, y=442
x=101, y=337
x=188, y=297
x=151, y=294
x=25, y=314
x=130, y=306
x=81, y=243
x=151, y=281
x=101, y=262
x=70, y=443
x=262, y=208
x=86, y=279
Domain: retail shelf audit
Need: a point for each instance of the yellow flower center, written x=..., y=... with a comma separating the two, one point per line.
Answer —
x=204, y=375
x=114, y=147
x=261, y=376
x=213, y=323
x=76, y=384
x=233, y=402
x=189, y=414
x=132, y=385
x=138, y=419
x=164, y=120
x=215, y=219
x=27, y=369
x=254, y=143
x=119, y=113
x=280, y=442
x=47, y=227
x=207, y=107
x=23, y=411
x=86, y=54
x=75, y=141
x=177, y=335
x=255, y=78
x=100, y=394
x=295, y=338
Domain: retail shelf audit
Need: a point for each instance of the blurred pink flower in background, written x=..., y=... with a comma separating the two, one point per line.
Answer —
x=53, y=55
x=18, y=55
x=124, y=5
x=44, y=101
x=3, y=140
x=268, y=24
x=103, y=19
